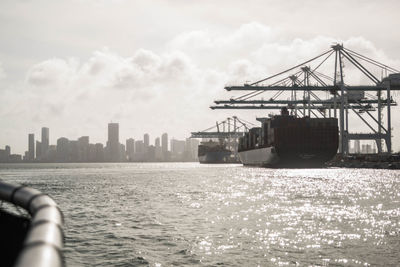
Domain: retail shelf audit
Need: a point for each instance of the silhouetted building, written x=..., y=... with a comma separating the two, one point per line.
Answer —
x=158, y=151
x=83, y=149
x=191, y=149
x=5, y=154
x=51, y=153
x=130, y=149
x=38, y=150
x=113, y=146
x=73, y=151
x=157, y=142
x=177, y=149
x=92, y=153
x=122, y=153
x=164, y=142
x=146, y=140
x=99, y=152
x=166, y=156
x=140, y=153
x=45, y=141
x=151, y=154
x=62, y=154
x=31, y=147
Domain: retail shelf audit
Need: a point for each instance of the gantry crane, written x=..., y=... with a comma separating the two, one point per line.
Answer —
x=342, y=97
x=232, y=129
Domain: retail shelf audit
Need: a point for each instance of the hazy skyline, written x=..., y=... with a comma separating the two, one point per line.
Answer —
x=156, y=66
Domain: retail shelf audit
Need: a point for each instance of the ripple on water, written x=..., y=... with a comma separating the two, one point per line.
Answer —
x=191, y=214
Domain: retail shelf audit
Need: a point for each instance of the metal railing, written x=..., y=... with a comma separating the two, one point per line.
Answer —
x=44, y=240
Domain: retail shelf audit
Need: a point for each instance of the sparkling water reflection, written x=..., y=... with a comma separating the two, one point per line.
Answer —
x=191, y=214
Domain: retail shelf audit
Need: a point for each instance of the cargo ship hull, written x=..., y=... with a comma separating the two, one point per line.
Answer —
x=268, y=157
x=215, y=157
x=288, y=141
x=213, y=152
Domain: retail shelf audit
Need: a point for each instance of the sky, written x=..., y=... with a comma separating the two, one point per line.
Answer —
x=156, y=66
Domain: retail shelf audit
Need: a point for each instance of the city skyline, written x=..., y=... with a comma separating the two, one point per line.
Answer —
x=113, y=150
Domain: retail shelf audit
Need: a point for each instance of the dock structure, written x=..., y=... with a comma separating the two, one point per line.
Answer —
x=369, y=102
x=227, y=131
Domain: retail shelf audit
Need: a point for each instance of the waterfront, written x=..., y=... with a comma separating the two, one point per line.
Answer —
x=163, y=214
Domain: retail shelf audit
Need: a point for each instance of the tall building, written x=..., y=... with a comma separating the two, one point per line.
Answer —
x=158, y=151
x=31, y=147
x=191, y=149
x=38, y=150
x=62, y=149
x=177, y=148
x=130, y=149
x=164, y=142
x=140, y=153
x=83, y=149
x=157, y=142
x=113, y=146
x=45, y=141
x=146, y=140
x=99, y=150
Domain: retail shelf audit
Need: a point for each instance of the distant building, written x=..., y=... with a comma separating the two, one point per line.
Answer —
x=164, y=142
x=92, y=153
x=151, y=154
x=130, y=149
x=45, y=141
x=83, y=149
x=191, y=149
x=122, y=153
x=38, y=150
x=113, y=145
x=31, y=147
x=177, y=149
x=158, y=151
x=146, y=140
x=157, y=142
x=5, y=154
x=140, y=153
x=62, y=154
x=99, y=150
x=73, y=150
x=51, y=153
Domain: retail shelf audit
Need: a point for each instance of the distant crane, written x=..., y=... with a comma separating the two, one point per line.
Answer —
x=236, y=128
x=344, y=97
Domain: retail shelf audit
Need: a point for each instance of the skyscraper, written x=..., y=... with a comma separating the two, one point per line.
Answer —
x=164, y=142
x=130, y=149
x=31, y=147
x=83, y=148
x=45, y=141
x=158, y=152
x=62, y=153
x=38, y=150
x=157, y=142
x=146, y=140
x=113, y=148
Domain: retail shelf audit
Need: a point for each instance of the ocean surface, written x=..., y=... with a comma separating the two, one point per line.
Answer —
x=176, y=214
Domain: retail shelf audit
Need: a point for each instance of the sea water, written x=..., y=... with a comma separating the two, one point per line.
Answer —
x=163, y=214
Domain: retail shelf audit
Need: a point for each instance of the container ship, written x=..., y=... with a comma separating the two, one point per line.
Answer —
x=288, y=141
x=214, y=152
